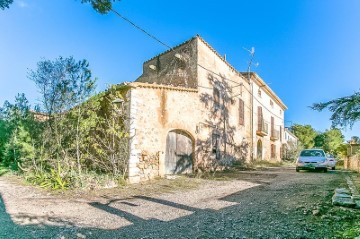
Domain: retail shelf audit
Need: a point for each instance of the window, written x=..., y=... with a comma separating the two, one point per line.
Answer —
x=259, y=93
x=241, y=112
x=271, y=103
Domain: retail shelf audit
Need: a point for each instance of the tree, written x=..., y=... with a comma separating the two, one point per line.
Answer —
x=19, y=132
x=354, y=140
x=101, y=6
x=5, y=4
x=64, y=85
x=319, y=140
x=333, y=140
x=305, y=134
x=345, y=110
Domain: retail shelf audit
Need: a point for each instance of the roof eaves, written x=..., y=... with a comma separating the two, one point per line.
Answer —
x=160, y=86
x=260, y=82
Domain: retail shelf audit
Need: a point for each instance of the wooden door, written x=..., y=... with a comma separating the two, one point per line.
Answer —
x=179, y=152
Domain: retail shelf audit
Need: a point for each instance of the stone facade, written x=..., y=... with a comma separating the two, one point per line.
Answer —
x=268, y=120
x=191, y=110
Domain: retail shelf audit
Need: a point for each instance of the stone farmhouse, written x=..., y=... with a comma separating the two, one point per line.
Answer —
x=191, y=110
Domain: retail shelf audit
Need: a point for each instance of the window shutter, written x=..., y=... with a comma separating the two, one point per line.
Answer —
x=241, y=112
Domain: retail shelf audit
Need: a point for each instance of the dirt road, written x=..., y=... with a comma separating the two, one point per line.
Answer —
x=272, y=203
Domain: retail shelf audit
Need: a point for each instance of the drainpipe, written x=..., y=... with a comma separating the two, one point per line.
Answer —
x=224, y=119
x=252, y=121
x=252, y=53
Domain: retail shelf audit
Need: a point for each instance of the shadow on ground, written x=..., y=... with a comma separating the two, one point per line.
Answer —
x=266, y=211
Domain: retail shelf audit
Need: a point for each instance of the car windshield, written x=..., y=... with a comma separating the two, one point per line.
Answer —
x=312, y=153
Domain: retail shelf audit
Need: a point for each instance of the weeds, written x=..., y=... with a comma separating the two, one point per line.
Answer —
x=3, y=170
x=56, y=179
x=259, y=164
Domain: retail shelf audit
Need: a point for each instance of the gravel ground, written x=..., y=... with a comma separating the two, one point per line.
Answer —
x=271, y=203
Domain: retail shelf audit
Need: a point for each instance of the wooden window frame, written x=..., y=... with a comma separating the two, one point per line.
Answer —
x=241, y=112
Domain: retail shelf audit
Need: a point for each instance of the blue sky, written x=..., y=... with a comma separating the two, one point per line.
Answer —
x=308, y=50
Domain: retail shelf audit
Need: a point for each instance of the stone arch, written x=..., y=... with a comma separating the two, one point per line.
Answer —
x=259, y=150
x=179, y=152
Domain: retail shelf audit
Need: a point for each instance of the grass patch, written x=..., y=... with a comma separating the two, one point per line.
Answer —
x=147, y=188
x=3, y=170
x=258, y=164
x=225, y=175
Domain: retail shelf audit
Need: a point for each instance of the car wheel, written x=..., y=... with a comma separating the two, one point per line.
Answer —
x=333, y=168
x=297, y=170
x=325, y=170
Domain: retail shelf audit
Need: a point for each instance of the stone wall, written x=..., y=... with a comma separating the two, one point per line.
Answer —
x=167, y=69
x=352, y=163
x=159, y=109
x=215, y=71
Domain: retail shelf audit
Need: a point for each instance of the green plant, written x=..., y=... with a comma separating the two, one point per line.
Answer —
x=265, y=163
x=352, y=231
x=56, y=179
x=3, y=169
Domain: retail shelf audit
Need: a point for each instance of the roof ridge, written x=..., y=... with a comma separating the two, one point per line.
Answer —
x=177, y=46
x=218, y=55
x=207, y=44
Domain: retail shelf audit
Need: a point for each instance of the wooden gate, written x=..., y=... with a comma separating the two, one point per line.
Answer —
x=179, y=153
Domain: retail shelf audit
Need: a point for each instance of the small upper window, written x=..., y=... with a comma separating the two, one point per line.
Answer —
x=271, y=103
x=259, y=93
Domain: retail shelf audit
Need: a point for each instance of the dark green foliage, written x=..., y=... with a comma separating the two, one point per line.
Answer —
x=333, y=141
x=305, y=134
x=330, y=140
x=5, y=4
x=101, y=6
x=345, y=110
x=19, y=133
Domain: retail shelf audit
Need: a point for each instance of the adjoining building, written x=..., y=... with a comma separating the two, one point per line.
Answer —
x=191, y=110
x=290, y=145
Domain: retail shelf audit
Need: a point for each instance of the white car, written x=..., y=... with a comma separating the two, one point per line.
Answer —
x=331, y=161
x=312, y=159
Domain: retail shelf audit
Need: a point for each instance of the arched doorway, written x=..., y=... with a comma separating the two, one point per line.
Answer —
x=259, y=150
x=179, y=152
